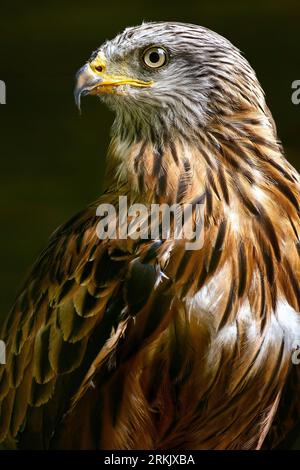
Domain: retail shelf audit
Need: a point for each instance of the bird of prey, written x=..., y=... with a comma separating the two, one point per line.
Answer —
x=124, y=343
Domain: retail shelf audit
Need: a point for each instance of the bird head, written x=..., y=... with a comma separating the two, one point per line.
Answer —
x=161, y=77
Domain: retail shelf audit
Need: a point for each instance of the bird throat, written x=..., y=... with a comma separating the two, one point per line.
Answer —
x=171, y=172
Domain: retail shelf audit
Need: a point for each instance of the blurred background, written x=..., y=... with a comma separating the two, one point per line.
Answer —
x=52, y=159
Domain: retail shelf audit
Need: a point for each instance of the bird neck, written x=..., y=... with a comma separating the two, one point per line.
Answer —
x=235, y=160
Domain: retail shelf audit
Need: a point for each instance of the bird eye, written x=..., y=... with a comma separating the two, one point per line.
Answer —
x=155, y=57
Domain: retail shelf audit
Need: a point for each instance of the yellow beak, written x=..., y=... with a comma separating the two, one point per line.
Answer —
x=92, y=79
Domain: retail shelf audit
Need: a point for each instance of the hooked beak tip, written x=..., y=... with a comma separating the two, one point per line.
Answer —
x=84, y=83
x=77, y=97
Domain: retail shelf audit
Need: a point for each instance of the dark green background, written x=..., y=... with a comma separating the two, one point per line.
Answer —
x=51, y=158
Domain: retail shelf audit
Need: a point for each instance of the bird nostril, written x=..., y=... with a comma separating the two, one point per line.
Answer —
x=99, y=68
